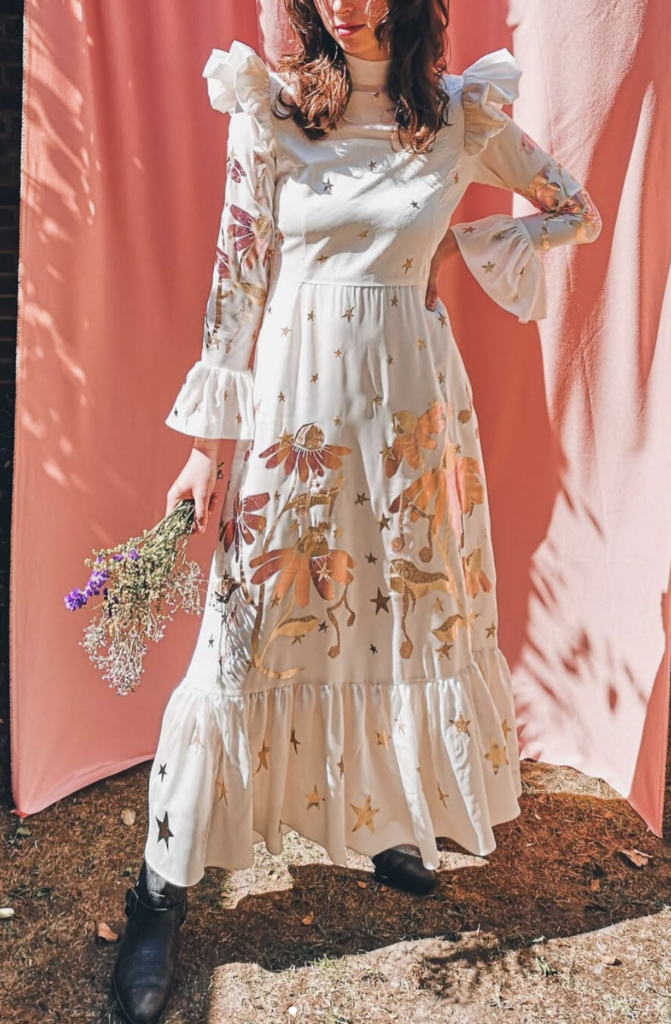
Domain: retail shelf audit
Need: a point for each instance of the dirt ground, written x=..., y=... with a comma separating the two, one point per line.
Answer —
x=556, y=925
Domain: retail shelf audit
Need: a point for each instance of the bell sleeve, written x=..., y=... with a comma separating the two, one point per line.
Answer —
x=216, y=398
x=503, y=252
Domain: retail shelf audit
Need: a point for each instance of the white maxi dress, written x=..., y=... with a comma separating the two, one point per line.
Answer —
x=347, y=681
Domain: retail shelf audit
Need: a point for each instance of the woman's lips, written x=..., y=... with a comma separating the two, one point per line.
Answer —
x=347, y=30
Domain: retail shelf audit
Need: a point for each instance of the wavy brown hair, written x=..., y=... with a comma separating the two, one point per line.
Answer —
x=412, y=30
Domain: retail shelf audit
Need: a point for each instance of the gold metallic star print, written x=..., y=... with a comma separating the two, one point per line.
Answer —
x=460, y=724
x=496, y=755
x=238, y=417
x=394, y=298
x=337, y=353
x=491, y=630
x=438, y=605
x=371, y=558
x=442, y=319
x=400, y=725
x=314, y=378
x=313, y=798
x=444, y=650
x=378, y=400
x=164, y=830
x=365, y=815
x=468, y=230
x=328, y=185
x=390, y=360
x=420, y=343
x=381, y=601
x=195, y=738
x=373, y=163
x=341, y=765
x=280, y=397
x=322, y=259
x=372, y=648
x=262, y=755
x=296, y=743
x=221, y=790
x=210, y=642
x=384, y=522
x=442, y=796
x=361, y=499
x=284, y=331
x=414, y=204
x=408, y=263
x=311, y=314
x=337, y=421
x=383, y=738
x=456, y=178
x=488, y=267
x=363, y=234
x=163, y=771
x=506, y=728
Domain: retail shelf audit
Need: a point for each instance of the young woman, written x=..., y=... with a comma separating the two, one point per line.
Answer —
x=347, y=680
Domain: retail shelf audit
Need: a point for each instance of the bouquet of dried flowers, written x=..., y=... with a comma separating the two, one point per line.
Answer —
x=143, y=582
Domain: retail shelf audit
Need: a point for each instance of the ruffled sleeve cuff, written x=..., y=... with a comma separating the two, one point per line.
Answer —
x=215, y=402
x=500, y=253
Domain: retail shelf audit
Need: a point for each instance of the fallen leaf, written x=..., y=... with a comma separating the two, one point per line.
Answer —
x=6, y=913
x=362, y=885
x=105, y=932
x=611, y=961
x=637, y=857
x=309, y=918
x=128, y=816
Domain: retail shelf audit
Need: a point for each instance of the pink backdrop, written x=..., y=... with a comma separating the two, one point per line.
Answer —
x=122, y=178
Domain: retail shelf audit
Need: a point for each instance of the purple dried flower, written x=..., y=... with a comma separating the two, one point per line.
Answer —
x=134, y=554
x=75, y=599
x=117, y=557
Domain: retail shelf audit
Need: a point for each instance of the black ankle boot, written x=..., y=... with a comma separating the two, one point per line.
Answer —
x=145, y=965
x=402, y=867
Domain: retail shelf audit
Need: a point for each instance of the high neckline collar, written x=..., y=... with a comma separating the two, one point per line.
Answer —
x=367, y=74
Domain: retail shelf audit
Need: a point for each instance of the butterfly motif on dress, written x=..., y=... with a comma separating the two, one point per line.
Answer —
x=251, y=236
x=234, y=169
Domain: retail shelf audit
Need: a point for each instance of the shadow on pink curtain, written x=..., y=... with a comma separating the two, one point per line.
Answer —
x=123, y=172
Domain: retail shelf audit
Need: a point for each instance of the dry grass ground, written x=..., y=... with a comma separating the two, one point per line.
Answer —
x=556, y=925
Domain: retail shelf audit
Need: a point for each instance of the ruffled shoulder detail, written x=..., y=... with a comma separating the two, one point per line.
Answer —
x=490, y=82
x=238, y=79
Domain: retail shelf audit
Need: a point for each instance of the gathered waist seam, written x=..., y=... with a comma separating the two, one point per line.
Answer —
x=281, y=279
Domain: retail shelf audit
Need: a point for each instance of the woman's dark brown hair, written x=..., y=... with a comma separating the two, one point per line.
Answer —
x=412, y=30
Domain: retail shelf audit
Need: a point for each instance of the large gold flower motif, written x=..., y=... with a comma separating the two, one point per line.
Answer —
x=244, y=522
x=306, y=450
x=412, y=434
x=310, y=559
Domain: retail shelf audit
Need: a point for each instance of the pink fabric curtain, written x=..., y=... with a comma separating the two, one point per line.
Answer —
x=123, y=172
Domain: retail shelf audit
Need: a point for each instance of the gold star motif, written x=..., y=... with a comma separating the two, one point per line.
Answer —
x=441, y=377
x=372, y=648
x=362, y=234
x=348, y=314
x=394, y=298
x=365, y=815
x=444, y=649
x=322, y=258
x=383, y=738
x=262, y=755
x=496, y=755
x=361, y=499
x=383, y=523
x=420, y=343
x=442, y=319
x=280, y=397
x=276, y=496
x=222, y=791
x=337, y=353
x=515, y=297
x=381, y=601
x=164, y=830
x=407, y=264
x=460, y=724
x=337, y=421
x=488, y=267
x=238, y=417
x=499, y=236
x=373, y=163
x=414, y=204
x=311, y=314
x=371, y=558
x=400, y=725
x=390, y=360
x=195, y=738
x=456, y=178
x=314, y=378
x=163, y=771
x=341, y=765
x=313, y=798
x=442, y=796
x=491, y=630
x=468, y=230
x=284, y=331
x=437, y=605
x=506, y=729
x=386, y=452
x=328, y=185
x=377, y=400
x=338, y=531
x=296, y=743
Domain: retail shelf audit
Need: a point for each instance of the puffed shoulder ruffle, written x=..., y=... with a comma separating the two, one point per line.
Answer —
x=487, y=84
x=238, y=79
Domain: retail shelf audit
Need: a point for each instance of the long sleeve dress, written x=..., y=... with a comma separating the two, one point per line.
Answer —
x=347, y=681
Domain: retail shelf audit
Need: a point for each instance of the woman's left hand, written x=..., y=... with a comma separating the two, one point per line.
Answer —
x=447, y=246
